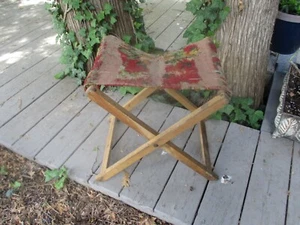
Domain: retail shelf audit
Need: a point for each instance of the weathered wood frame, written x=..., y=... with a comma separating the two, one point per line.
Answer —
x=157, y=140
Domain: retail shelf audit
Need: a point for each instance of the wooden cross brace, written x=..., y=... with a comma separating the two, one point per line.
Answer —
x=157, y=140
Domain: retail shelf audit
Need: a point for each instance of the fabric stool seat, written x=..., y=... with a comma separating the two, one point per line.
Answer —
x=194, y=67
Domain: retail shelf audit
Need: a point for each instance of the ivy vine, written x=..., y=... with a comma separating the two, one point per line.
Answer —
x=209, y=15
x=77, y=49
x=142, y=41
x=239, y=110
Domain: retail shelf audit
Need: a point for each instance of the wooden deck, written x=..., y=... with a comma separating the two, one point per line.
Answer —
x=52, y=122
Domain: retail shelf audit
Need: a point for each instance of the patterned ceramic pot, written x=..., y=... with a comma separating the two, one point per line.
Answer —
x=287, y=125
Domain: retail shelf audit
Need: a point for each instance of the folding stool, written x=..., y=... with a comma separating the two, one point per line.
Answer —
x=195, y=67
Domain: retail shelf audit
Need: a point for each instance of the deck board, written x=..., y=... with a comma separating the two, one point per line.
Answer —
x=222, y=203
x=268, y=188
x=26, y=78
x=62, y=146
x=41, y=134
x=19, y=34
x=39, y=48
x=27, y=96
x=158, y=11
x=148, y=6
x=293, y=213
x=154, y=114
x=12, y=16
x=165, y=40
x=273, y=102
x=87, y=158
x=31, y=34
x=29, y=117
x=22, y=61
x=178, y=43
x=181, y=196
x=156, y=168
x=52, y=121
x=157, y=28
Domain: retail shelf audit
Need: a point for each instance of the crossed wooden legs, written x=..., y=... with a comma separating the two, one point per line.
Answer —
x=155, y=139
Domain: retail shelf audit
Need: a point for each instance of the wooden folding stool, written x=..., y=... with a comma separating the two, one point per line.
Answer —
x=194, y=67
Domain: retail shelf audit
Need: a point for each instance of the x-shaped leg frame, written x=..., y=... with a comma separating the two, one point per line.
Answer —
x=157, y=140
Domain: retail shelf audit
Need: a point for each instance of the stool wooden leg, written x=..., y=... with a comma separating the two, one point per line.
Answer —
x=108, y=145
x=112, y=120
x=135, y=100
x=160, y=140
x=146, y=149
x=181, y=99
x=202, y=130
x=204, y=145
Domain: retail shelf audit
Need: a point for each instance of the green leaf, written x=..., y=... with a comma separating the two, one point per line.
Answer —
x=75, y=4
x=137, y=25
x=87, y=53
x=249, y=111
x=51, y=174
x=206, y=93
x=100, y=16
x=209, y=16
x=78, y=16
x=59, y=175
x=197, y=37
x=48, y=6
x=139, y=46
x=122, y=90
x=16, y=185
x=102, y=87
x=217, y=116
x=249, y=101
x=79, y=81
x=62, y=171
x=228, y=109
x=94, y=41
x=134, y=90
x=107, y=8
x=256, y=117
x=224, y=13
x=113, y=20
x=60, y=75
x=88, y=15
x=127, y=38
x=102, y=31
x=93, y=23
x=60, y=183
x=71, y=36
x=82, y=32
x=131, y=90
x=3, y=171
x=239, y=116
x=92, y=33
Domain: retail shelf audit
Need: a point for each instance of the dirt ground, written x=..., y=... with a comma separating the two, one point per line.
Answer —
x=25, y=198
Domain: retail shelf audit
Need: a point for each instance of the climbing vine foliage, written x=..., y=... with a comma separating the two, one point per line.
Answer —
x=142, y=40
x=79, y=47
x=209, y=15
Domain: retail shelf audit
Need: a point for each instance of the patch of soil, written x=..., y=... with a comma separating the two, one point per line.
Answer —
x=37, y=202
x=292, y=98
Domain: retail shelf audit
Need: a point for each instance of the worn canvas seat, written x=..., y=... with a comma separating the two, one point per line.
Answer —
x=194, y=67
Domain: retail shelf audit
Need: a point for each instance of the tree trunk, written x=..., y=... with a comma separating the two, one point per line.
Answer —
x=123, y=26
x=244, y=40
